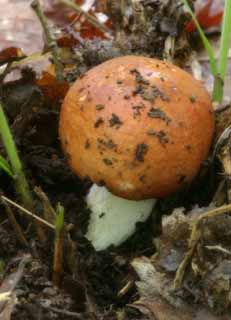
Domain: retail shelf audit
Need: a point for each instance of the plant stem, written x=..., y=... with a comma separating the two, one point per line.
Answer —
x=50, y=39
x=91, y=19
x=21, y=185
x=58, y=246
x=17, y=229
x=28, y=213
x=206, y=43
x=223, y=54
x=49, y=213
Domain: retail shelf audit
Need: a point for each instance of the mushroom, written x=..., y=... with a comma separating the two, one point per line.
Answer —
x=139, y=128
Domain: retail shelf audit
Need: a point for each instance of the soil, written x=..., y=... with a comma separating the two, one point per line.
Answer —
x=93, y=285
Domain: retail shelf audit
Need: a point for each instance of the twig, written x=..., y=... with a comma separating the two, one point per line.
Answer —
x=91, y=19
x=64, y=312
x=193, y=241
x=128, y=286
x=38, y=219
x=218, y=249
x=49, y=212
x=50, y=39
x=15, y=225
x=34, y=57
x=195, y=236
x=5, y=71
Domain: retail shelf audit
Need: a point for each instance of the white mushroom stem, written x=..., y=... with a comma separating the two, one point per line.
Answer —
x=113, y=219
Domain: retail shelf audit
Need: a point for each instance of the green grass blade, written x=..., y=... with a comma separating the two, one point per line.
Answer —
x=224, y=52
x=5, y=166
x=206, y=43
x=59, y=222
x=225, y=40
x=21, y=184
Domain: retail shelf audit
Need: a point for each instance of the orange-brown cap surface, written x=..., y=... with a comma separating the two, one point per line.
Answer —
x=139, y=125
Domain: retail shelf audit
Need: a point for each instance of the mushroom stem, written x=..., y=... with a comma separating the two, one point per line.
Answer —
x=113, y=219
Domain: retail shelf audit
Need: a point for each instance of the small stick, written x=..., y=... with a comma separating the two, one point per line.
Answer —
x=91, y=19
x=193, y=241
x=125, y=289
x=58, y=250
x=15, y=225
x=62, y=311
x=71, y=250
x=50, y=39
x=32, y=215
x=49, y=212
x=5, y=71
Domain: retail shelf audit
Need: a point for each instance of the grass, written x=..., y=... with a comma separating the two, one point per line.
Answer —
x=15, y=169
x=224, y=52
x=58, y=249
x=5, y=166
x=218, y=68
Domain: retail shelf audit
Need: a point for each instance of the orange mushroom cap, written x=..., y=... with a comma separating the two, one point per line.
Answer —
x=139, y=125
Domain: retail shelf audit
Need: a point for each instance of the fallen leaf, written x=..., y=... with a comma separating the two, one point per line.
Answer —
x=158, y=302
x=7, y=295
x=10, y=54
x=53, y=90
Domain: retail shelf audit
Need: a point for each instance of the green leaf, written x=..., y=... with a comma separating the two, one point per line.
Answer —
x=224, y=52
x=5, y=166
x=206, y=43
x=59, y=221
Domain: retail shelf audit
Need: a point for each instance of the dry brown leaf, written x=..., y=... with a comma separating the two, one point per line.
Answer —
x=157, y=301
x=7, y=295
x=53, y=90
x=10, y=54
x=8, y=307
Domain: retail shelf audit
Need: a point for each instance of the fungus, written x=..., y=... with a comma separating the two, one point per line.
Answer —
x=142, y=157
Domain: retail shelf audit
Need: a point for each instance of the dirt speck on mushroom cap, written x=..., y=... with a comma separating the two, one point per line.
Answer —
x=183, y=121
